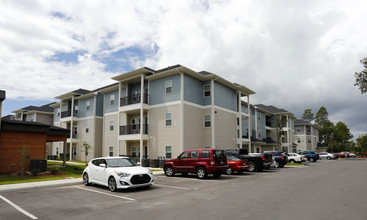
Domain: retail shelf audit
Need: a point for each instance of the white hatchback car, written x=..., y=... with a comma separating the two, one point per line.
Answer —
x=117, y=173
x=296, y=158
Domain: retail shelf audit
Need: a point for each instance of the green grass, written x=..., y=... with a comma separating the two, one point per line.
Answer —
x=74, y=171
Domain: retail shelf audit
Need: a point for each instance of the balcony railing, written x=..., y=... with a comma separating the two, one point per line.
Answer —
x=133, y=129
x=66, y=114
x=133, y=99
x=268, y=124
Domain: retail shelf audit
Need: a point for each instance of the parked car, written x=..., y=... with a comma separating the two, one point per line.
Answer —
x=348, y=154
x=352, y=155
x=236, y=164
x=200, y=161
x=280, y=159
x=311, y=156
x=256, y=161
x=341, y=155
x=326, y=155
x=296, y=158
x=117, y=173
x=336, y=155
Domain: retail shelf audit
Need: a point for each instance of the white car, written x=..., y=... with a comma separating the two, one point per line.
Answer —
x=326, y=155
x=117, y=173
x=296, y=158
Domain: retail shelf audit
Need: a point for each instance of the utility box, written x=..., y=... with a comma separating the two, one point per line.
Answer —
x=40, y=164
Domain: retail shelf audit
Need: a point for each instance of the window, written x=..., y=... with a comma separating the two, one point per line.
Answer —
x=207, y=147
x=259, y=133
x=205, y=154
x=133, y=151
x=57, y=150
x=184, y=155
x=133, y=123
x=206, y=89
x=298, y=129
x=86, y=128
x=168, y=152
x=194, y=154
x=112, y=99
x=207, y=123
x=76, y=110
x=88, y=105
x=168, y=119
x=309, y=140
x=299, y=140
x=259, y=118
x=110, y=152
x=168, y=86
x=111, y=125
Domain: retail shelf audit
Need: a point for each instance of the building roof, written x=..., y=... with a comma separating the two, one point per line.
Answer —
x=31, y=108
x=77, y=92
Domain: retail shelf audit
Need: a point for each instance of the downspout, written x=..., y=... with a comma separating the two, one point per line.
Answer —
x=213, y=112
x=182, y=127
x=141, y=118
x=249, y=123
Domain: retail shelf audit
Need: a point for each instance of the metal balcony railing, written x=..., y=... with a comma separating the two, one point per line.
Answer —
x=133, y=129
x=134, y=99
x=66, y=114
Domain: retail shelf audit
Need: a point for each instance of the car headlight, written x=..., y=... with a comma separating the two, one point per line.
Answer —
x=150, y=172
x=121, y=174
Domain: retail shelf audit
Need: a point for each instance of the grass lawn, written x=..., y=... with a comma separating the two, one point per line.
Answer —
x=67, y=172
x=295, y=164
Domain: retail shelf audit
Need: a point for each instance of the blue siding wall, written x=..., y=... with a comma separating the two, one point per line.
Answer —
x=123, y=92
x=253, y=118
x=193, y=90
x=244, y=127
x=225, y=97
x=244, y=108
x=83, y=108
x=261, y=125
x=107, y=103
x=99, y=106
x=207, y=100
x=157, y=93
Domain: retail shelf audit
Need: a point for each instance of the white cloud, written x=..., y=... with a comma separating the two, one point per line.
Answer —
x=293, y=54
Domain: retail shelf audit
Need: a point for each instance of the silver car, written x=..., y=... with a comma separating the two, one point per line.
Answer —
x=326, y=155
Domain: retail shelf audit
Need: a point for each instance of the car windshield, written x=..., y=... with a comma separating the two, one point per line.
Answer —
x=121, y=162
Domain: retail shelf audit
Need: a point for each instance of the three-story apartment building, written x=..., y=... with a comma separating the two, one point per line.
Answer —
x=306, y=135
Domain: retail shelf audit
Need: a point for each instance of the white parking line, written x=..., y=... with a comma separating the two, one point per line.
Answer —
x=175, y=187
x=18, y=208
x=121, y=197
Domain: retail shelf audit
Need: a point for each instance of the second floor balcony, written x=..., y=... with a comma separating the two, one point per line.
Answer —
x=66, y=114
x=133, y=129
x=134, y=99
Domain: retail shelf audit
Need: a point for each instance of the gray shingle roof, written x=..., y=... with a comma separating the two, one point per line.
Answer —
x=271, y=109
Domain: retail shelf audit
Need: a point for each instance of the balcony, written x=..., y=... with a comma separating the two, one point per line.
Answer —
x=133, y=129
x=134, y=99
x=66, y=114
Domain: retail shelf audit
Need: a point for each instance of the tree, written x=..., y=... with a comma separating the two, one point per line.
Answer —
x=326, y=132
x=23, y=158
x=361, y=77
x=321, y=117
x=342, y=135
x=308, y=115
x=280, y=123
x=85, y=149
x=362, y=143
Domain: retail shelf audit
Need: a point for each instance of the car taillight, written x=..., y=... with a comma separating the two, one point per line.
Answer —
x=282, y=157
x=86, y=165
x=263, y=157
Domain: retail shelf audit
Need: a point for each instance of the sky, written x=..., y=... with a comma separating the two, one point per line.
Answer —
x=295, y=54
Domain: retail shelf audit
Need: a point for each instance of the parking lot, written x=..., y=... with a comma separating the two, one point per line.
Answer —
x=323, y=190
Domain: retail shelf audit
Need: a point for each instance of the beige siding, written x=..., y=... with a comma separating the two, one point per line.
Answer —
x=161, y=135
x=194, y=128
x=207, y=132
x=110, y=138
x=98, y=136
x=225, y=130
x=44, y=118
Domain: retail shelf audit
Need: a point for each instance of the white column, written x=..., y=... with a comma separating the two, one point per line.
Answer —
x=249, y=123
x=71, y=129
x=141, y=118
x=182, y=114
x=212, y=114
x=240, y=116
x=118, y=119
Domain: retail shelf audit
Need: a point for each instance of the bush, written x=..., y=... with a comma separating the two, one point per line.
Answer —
x=35, y=172
x=54, y=170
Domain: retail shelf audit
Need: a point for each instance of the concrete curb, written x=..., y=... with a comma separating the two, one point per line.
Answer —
x=49, y=184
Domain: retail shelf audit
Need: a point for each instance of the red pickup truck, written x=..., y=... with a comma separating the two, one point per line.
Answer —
x=201, y=162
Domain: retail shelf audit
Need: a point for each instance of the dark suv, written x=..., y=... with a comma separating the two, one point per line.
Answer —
x=201, y=161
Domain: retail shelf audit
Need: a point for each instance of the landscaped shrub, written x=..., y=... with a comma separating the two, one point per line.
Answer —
x=54, y=170
x=35, y=172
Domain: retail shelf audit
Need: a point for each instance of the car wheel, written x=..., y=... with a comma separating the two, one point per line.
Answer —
x=86, y=179
x=169, y=171
x=251, y=167
x=312, y=159
x=217, y=174
x=112, y=184
x=329, y=158
x=229, y=171
x=201, y=173
x=292, y=161
x=276, y=165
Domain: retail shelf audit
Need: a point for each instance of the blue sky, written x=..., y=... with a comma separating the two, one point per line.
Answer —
x=294, y=54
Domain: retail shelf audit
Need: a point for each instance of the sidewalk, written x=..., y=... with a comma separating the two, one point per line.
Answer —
x=50, y=183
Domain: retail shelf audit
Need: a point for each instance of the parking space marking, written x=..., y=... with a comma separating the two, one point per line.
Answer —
x=108, y=194
x=18, y=208
x=174, y=187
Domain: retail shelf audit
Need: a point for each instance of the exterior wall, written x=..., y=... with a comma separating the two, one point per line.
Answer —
x=57, y=114
x=225, y=130
x=194, y=128
x=44, y=118
x=99, y=104
x=194, y=91
x=110, y=138
x=162, y=135
x=157, y=93
x=11, y=141
x=225, y=97
x=108, y=108
x=98, y=138
x=82, y=105
x=207, y=132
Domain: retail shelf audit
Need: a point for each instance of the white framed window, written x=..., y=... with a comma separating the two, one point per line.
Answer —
x=299, y=140
x=133, y=123
x=110, y=152
x=206, y=90
x=168, y=86
x=112, y=99
x=207, y=147
x=86, y=128
x=309, y=140
x=168, y=152
x=111, y=125
x=133, y=151
x=88, y=105
x=168, y=119
x=57, y=150
x=298, y=129
x=207, y=121
x=259, y=133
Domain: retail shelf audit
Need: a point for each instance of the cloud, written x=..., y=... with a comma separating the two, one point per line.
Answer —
x=293, y=54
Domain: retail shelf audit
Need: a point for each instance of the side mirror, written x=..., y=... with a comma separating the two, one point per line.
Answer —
x=178, y=157
x=103, y=165
x=138, y=163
